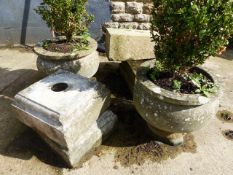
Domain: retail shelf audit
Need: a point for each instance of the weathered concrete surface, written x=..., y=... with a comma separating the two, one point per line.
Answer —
x=58, y=114
x=212, y=157
x=126, y=44
x=86, y=66
x=168, y=112
x=90, y=139
x=82, y=62
x=67, y=116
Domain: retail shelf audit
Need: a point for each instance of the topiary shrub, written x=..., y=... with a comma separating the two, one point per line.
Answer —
x=186, y=33
x=190, y=31
x=68, y=17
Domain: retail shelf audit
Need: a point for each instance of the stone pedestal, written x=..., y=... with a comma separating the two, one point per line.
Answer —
x=128, y=70
x=64, y=108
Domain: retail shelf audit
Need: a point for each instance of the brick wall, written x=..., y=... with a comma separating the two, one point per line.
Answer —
x=131, y=14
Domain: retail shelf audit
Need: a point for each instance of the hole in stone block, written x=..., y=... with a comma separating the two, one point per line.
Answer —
x=59, y=87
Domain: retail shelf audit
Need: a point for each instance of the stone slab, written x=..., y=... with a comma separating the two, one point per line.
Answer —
x=58, y=114
x=89, y=140
x=129, y=44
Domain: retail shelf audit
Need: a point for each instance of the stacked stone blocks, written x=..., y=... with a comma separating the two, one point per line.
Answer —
x=130, y=14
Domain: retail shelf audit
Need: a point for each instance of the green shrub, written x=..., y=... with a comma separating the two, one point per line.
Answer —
x=68, y=17
x=190, y=31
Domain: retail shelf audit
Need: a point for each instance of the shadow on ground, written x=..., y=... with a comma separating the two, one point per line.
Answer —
x=132, y=142
x=16, y=80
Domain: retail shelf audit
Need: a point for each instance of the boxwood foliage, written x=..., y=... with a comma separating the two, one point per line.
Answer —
x=68, y=17
x=187, y=32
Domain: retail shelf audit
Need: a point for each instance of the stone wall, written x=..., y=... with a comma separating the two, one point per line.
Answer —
x=130, y=14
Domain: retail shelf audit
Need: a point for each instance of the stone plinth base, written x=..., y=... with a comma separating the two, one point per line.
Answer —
x=128, y=70
x=64, y=108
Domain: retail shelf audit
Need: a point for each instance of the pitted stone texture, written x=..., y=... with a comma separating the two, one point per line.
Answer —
x=144, y=26
x=89, y=140
x=134, y=7
x=62, y=116
x=169, y=111
x=118, y=7
x=67, y=119
x=125, y=44
x=136, y=14
x=83, y=62
x=142, y=18
x=122, y=17
x=128, y=25
x=86, y=66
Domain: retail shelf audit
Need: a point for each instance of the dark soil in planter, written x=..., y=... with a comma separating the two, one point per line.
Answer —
x=60, y=47
x=63, y=46
x=165, y=80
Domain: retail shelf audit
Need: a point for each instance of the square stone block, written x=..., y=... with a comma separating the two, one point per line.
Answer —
x=89, y=140
x=129, y=44
x=62, y=106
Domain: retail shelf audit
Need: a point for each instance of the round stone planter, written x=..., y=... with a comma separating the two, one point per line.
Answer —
x=170, y=115
x=83, y=62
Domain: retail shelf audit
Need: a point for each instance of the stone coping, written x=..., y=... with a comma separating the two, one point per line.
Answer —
x=175, y=97
x=76, y=54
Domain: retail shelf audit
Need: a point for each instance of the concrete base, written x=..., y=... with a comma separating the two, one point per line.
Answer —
x=128, y=70
x=64, y=107
x=127, y=44
x=173, y=139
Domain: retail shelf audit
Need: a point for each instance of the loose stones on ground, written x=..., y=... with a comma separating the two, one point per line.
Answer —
x=68, y=111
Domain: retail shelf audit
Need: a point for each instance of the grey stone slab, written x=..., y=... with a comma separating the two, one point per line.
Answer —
x=62, y=116
x=89, y=140
x=129, y=44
